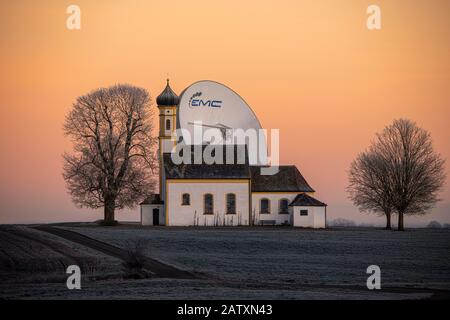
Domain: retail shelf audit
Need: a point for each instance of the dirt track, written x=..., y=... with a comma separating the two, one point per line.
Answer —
x=156, y=267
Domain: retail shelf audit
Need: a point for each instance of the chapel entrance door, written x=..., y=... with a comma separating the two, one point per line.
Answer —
x=156, y=217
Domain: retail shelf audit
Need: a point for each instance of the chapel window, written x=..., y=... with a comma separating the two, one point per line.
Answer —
x=208, y=203
x=185, y=199
x=264, y=206
x=231, y=203
x=283, y=206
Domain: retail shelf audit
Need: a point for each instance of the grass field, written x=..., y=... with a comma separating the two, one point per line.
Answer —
x=270, y=263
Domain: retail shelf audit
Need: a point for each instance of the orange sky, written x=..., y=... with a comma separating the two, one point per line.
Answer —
x=310, y=68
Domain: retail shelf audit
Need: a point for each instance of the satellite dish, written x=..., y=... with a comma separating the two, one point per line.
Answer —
x=215, y=107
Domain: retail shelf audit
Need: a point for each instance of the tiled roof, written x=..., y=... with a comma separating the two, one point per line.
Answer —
x=153, y=198
x=304, y=200
x=210, y=171
x=287, y=179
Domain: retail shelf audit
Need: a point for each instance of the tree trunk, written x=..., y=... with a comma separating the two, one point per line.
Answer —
x=110, y=206
x=388, y=221
x=400, y=221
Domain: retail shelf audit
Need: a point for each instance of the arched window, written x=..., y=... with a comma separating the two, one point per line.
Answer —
x=264, y=206
x=231, y=203
x=186, y=199
x=283, y=206
x=208, y=204
x=167, y=124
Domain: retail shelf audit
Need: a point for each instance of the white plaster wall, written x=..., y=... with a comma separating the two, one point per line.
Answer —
x=179, y=215
x=167, y=145
x=147, y=214
x=316, y=217
x=274, y=207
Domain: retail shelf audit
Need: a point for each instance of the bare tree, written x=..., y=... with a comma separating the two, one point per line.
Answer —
x=113, y=160
x=415, y=171
x=434, y=225
x=369, y=185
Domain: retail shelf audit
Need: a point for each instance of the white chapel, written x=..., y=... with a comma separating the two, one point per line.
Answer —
x=201, y=194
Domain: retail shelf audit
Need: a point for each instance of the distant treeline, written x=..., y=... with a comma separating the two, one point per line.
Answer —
x=341, y=222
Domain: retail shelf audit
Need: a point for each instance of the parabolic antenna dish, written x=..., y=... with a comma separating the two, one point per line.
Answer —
x=215, y=107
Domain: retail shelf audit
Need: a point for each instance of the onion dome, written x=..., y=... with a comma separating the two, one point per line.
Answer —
x=167, y=97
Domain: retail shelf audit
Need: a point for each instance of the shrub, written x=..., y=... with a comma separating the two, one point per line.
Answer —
x=135, y=259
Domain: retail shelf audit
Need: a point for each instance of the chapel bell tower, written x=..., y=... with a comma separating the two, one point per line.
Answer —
x=167, y=103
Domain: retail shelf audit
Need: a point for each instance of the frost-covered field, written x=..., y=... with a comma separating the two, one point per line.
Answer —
x=33, y=255
x=268, y=263
x=418, y=257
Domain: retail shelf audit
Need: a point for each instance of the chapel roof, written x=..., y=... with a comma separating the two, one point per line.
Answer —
x=153, y=198
x=288, y=179
x=236, y=170
x=168, y=97
x=304, y=200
